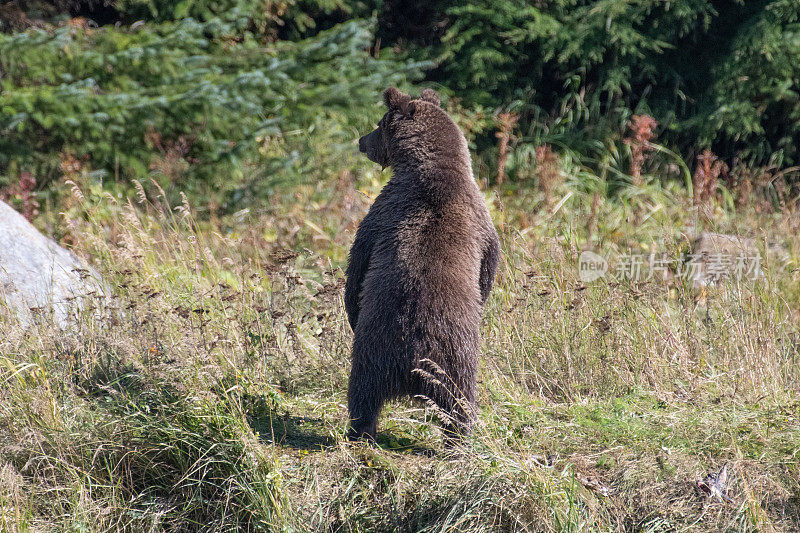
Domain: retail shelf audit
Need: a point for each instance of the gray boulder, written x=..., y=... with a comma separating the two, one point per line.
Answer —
x=39, y=278
x=716, y=257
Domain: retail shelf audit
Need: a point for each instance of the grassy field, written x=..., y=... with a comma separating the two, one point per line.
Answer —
x=209, y=393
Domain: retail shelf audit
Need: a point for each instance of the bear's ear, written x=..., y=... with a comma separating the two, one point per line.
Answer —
x=429, y=95
x=400, y=102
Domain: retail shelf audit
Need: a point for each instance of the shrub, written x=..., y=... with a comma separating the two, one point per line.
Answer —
x=712, y=73
x=130, y=99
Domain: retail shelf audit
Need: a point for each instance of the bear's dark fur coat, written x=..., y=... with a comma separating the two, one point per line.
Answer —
x=421, y=268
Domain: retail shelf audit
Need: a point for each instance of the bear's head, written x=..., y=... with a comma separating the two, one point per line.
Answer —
x=410, y=129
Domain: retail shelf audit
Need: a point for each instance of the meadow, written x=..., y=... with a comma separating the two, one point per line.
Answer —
x=209, y=392
x=202, y=157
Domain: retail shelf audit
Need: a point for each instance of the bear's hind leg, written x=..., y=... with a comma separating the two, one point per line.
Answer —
x=364, y=403
x=458, y=404
x=460, y=417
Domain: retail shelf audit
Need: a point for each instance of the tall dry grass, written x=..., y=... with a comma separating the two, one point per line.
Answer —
x=208, y=393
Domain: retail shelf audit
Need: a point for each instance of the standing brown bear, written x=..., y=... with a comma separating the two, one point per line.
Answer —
x=421, y=268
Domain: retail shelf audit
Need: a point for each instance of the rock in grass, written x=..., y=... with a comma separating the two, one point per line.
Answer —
x=39, y=278
x=717, y=257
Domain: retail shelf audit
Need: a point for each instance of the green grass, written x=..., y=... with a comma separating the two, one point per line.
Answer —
x=209, y=394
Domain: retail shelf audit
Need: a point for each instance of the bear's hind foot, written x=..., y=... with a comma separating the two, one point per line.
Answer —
x=456, y=435
x=361, y=434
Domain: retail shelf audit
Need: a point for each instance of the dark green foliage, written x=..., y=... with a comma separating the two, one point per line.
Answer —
x=715, y=73
x=201, y=93
x=752, y=104
x=287, y=18
x=238, y=95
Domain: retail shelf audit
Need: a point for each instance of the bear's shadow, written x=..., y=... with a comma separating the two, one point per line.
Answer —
x=299, y=432
x=304, y=433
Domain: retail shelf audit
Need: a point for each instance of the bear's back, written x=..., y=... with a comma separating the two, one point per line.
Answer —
x=426, y=257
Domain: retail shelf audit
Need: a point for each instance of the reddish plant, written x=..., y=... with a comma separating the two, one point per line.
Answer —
x=81, y=23
x=547, y=171
x=740, y=182
x=642, y=127
x=595, y=207
x=14, y=17
x=706, y=174
x=70, y=165
x=23, y=194
x=173, y=159
x=506, y=123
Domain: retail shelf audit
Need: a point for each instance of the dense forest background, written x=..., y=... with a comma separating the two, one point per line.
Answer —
x=227, y=100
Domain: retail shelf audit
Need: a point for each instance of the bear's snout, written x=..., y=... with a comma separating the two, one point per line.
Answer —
x=367, y=143
x=371, y=145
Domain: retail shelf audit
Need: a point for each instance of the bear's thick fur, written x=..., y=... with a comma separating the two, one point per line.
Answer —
x=421, y=268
